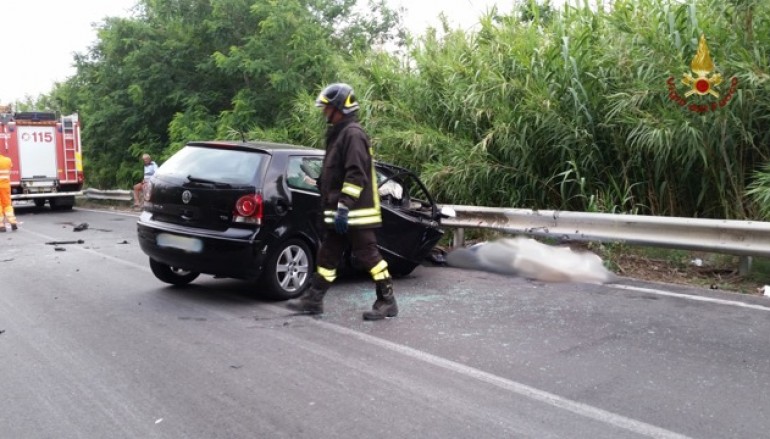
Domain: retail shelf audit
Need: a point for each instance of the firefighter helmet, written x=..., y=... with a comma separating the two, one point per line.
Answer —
x=339, y=96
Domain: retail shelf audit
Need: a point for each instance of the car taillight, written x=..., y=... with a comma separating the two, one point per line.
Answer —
x=248, y=209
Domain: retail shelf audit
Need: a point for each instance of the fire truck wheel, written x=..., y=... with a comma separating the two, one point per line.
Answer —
x=172, y=275
x=62, y=203
x=39, y=202
x=287, y=271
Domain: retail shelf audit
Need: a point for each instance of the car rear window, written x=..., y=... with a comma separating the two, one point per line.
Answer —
x=220, y=165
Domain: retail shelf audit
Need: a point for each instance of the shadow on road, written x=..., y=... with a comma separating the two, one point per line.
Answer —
x=209, y=290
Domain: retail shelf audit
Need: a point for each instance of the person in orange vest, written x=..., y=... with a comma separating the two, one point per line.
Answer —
x=5, y=193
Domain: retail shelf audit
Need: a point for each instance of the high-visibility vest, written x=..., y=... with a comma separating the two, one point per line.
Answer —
x=5, y=172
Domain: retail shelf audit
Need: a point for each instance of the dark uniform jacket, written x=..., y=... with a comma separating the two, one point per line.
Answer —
x=348, y=176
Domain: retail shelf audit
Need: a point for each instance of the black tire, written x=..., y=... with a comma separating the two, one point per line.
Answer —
x=39, y=202
x=62, y=203
x=401, y=272
x=172, y=275
x=288, y=270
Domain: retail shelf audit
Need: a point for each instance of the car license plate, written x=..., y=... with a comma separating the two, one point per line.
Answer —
x=193, y=245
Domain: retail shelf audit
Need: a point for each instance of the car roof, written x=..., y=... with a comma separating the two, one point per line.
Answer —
x=279, y=148
x=258, y=145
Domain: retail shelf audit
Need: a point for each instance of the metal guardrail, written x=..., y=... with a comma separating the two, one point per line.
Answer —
x=733, y=237
x=115, y=194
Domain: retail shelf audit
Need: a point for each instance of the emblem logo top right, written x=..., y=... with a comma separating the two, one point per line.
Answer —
x=702, y=84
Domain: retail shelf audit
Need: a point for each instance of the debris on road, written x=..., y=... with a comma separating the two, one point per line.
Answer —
x=80, y=227
x=437, y=256
x=79, y=241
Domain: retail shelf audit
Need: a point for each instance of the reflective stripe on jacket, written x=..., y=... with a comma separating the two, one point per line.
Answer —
x=348, y=176
x=5, y=172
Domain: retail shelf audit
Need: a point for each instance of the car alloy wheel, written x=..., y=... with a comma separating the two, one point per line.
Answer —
x=288, y=270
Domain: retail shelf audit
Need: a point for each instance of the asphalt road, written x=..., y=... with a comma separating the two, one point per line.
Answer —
x=93, y=346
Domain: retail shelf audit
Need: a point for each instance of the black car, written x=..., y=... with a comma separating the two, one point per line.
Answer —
x=251, y=210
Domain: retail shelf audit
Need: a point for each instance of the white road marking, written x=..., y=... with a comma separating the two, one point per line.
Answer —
x=691, y=297
x=524, y=390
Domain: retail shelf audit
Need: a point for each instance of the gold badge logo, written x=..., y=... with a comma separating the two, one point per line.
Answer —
x=703, y=83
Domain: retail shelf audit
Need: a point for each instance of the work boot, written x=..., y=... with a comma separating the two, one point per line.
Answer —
x=385, y=305
x=311, y=302
x=14, y=227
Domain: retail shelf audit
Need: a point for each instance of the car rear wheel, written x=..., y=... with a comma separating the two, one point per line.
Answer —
x=288, y=269
x=172, y=275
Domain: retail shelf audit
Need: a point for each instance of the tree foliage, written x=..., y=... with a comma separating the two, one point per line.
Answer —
x=184, y=69
x=572, y=110
x=540, y=108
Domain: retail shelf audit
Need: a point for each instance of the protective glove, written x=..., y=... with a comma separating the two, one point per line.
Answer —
x=341, y=219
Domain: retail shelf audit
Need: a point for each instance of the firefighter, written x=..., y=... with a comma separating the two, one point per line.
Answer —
x=351, y=206
x=6, y=205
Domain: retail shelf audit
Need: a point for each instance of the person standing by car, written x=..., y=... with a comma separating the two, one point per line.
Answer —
x=351, y=206
x=6, y=204
x=149, y=170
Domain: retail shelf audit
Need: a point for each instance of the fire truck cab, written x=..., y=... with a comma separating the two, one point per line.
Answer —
x=45, y=150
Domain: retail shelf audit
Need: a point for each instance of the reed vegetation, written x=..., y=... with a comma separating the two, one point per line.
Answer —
x=571, y=109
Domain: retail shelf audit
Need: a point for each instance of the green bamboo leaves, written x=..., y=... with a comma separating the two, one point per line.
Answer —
x=572, y=112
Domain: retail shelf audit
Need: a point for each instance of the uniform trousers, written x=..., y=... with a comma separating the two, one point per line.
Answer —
x=6, y=206
x=363, y=243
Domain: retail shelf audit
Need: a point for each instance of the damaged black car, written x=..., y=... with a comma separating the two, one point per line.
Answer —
x=251, y=210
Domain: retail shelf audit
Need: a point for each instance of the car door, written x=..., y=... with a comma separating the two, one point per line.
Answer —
x=411, y=219
x=305, y=199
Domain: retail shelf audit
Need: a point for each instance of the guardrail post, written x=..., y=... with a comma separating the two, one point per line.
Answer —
x=459, y=238
x=745, y=266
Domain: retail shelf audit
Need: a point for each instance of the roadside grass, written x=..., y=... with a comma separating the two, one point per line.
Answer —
x=696, y=268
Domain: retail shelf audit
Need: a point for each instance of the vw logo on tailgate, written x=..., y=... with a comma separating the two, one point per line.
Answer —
x=186, y=197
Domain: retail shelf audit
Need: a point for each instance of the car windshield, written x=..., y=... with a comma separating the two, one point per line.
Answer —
x=212, y=165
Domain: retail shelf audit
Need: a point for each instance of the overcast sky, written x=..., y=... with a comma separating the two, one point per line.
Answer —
x=41, y=36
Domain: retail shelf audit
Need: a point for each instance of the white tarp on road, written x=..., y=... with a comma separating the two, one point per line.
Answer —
x=531, y=259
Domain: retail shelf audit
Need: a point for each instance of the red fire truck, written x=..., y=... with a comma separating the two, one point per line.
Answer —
x=45, y=150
